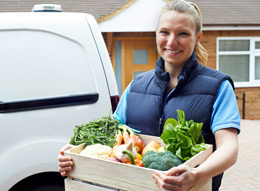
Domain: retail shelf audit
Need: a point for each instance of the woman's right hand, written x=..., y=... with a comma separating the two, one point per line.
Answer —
x=65, y=163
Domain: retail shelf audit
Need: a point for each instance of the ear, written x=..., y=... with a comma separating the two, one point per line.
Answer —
x=199, y=37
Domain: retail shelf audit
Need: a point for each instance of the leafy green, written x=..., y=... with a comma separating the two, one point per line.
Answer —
x=101, y=131
x=183, y=138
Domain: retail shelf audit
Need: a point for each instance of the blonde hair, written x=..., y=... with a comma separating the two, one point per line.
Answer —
x=192, y=9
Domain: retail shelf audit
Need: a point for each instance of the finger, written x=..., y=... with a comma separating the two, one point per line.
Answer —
x=66, y=164
x=63, y=174
x=64, y=169
x=157, y=180
x=176, y=171
x=66, y=147
x=160, y=181
x=62, y=158
x=160, y=175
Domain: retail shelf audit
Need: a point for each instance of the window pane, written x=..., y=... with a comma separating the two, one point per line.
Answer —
x=140, y=56
x=234, y=45
x=257, y=67
x=257, y=45
x=237, y=66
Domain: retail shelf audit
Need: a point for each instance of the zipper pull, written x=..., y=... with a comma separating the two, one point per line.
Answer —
x=160, y=126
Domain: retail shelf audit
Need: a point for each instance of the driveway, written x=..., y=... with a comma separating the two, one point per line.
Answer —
x=245, y=174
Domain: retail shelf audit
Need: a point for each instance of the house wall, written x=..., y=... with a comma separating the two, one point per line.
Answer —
x=250, y=109
x=248, y=99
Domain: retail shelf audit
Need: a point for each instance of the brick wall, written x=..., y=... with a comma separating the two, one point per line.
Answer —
x=251, y=105
x=251, y=108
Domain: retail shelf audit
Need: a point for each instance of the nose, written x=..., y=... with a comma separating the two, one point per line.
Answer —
x=172, y=40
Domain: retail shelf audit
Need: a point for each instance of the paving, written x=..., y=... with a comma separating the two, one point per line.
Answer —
x=245, y=174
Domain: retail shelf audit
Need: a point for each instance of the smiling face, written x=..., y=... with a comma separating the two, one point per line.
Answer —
x=176, y=37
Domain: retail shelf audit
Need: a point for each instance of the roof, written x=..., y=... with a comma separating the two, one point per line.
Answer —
x=98, y=8
x=141, y=15
x=229, y=12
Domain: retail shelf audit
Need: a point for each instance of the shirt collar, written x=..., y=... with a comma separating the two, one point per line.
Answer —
x=186, y=71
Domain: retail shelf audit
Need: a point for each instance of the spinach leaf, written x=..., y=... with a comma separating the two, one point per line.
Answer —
x=181, y=117
x=101, y=131
x=183, y=138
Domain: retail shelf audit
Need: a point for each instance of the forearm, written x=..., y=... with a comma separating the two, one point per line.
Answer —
x=223, y=158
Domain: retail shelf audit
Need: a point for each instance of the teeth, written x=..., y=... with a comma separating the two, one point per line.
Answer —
x=172, y=52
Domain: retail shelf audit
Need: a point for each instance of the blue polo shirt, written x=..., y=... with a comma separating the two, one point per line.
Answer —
x=225, y=113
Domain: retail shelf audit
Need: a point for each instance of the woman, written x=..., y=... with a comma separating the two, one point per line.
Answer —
x=180, y=81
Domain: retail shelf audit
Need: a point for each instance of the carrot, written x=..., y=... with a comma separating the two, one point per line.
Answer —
x=126, y=135
x=138, y=142
x=129, y=135
x=119, y=138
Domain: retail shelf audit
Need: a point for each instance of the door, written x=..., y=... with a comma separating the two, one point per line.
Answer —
x=138, y=55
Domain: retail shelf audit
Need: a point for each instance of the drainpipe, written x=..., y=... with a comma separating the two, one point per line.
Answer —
x=243, y=106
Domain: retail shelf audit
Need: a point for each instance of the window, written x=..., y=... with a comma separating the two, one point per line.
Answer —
x=239, y=57
x=140, y=56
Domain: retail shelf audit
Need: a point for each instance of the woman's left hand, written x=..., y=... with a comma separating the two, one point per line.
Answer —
x=180, y=178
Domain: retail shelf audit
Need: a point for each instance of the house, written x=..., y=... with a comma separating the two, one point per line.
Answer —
x=231, y=34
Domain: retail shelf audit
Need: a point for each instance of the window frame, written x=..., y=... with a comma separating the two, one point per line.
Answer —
x=252, y=54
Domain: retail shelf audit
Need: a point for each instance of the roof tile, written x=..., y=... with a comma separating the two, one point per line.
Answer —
x=220, y=12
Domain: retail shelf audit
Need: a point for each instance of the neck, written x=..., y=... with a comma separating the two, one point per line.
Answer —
x=174, y=73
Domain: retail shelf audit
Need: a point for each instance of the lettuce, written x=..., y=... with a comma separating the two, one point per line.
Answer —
x=183, y=138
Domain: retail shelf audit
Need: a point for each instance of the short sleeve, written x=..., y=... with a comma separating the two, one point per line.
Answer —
x=225, y=112
x=120, y=113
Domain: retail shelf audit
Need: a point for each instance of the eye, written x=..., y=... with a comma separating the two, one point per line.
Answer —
x=183, y=34
x=164, y=32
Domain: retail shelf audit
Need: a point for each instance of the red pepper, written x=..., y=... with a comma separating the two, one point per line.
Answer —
x=139, y=162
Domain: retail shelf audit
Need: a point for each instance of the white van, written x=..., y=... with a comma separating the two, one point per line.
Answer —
x=55, y=73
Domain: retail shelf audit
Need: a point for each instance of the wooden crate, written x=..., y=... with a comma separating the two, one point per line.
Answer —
x=92, y=174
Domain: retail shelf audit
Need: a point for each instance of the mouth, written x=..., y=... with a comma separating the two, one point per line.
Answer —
x=172, y=51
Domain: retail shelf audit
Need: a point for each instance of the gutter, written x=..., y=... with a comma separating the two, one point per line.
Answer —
x=231, y=26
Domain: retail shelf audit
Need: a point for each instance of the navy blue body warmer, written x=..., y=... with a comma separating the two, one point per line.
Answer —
x=195, y=94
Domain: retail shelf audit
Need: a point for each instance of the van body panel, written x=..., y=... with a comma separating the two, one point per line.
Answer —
x=25, y=160
x=46, y=58
x=105, y=57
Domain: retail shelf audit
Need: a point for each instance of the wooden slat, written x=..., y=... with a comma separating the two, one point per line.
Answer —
x=74, y=185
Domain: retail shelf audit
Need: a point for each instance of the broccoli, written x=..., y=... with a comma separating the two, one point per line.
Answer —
x=160, y=160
